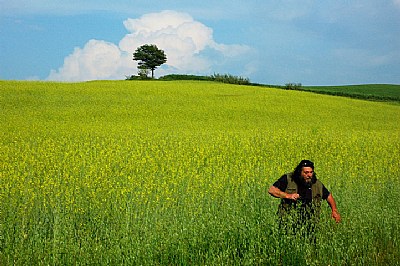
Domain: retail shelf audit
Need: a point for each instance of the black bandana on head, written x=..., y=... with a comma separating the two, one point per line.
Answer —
x=306, y=163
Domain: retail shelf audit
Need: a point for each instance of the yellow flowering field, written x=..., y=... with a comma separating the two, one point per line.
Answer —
x=177, y=173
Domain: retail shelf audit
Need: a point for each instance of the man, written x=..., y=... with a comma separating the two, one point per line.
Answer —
x=301, y=194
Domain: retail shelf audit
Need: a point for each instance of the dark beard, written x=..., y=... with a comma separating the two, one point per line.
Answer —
x=306, y=184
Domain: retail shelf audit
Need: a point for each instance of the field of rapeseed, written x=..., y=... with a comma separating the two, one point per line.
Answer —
x=177, y=173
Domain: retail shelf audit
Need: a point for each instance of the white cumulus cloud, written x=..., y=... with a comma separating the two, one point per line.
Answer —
x=96, y=60
x=184, y=40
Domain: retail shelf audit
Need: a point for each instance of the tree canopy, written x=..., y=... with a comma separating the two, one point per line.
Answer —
x=149, y=57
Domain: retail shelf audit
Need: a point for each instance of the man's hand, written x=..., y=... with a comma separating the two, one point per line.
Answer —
x=336, y=216
x=293, y=196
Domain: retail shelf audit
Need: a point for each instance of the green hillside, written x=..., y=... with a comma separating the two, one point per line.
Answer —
x=196, y=106
x=381, y=92
x=177, y=173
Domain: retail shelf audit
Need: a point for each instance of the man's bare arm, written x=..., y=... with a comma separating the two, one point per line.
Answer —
x=277, y=193
x=332, y=203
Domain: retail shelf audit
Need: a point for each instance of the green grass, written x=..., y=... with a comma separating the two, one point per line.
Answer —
x=177, y=173
x=382, y=92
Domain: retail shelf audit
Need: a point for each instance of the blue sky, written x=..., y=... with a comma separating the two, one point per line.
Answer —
x=313, y=42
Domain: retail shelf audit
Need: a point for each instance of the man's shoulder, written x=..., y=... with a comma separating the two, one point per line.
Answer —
x=282, y=182
x=288, y=176
x=318, y=182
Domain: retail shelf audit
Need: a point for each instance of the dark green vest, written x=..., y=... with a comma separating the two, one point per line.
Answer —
x=316, y=189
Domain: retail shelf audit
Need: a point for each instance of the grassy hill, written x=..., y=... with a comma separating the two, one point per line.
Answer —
x=374, y=92
x=177, y=173
x=371, y=92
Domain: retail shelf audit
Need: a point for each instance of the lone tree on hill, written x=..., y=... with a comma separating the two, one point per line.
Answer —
x=149, y=57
